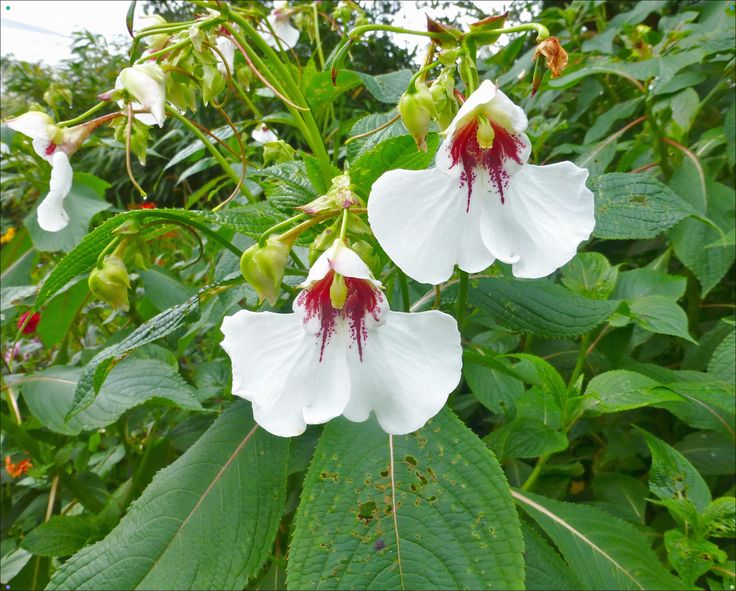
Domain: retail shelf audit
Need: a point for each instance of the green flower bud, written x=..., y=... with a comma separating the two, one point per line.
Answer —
x=468, y=72
x=417, y=111
x=340, y=196
x=111, y=282
x=443, y=95
x=263, y=267
x=276, y=152
x=367, y=254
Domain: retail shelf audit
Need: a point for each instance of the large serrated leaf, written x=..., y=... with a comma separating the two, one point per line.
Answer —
x=545, y=570
x=205, y=522
x=457, y=527
x=603, y=551
x=50, y=394
x=635, y=206
x=538, y=307
x=397, y=152
x=369, y=123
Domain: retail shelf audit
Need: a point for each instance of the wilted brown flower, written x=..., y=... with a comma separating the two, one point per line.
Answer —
x=554, y=55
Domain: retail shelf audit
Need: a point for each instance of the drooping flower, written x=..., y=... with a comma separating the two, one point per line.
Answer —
x=342, y=352
x=227, y=48
x=263, y=134
x=28, y=323
x=284, y=35
x=17, y=470
x=482, y=201
x=146, y=83
x=54, y=144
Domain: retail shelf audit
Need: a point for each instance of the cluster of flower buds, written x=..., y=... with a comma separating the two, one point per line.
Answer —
x=263, y=266
x=417, y=110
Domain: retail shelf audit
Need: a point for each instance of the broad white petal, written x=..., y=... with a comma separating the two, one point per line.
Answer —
x=548, y=212
x=286, y=34
x=341, y=259
x=51, y=214
x=147, y=83
x=410, y=366
x=263, y=134
x=421, y=219
x=45, y=148
x=33, y=124
x=277, y=366
x=227, y=48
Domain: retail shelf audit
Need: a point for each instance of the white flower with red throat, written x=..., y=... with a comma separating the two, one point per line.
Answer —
x=54, y=144
x=284, y=36
x=263, y=134
x=482, y=201
x=342, y=352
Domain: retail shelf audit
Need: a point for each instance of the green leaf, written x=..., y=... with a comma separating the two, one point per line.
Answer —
x=538, y=307
x=457, y=527
x=368, y=123
x=387, y=88
x=706, y=405
x=719, y=518
x=207, y=521
x=709, y=452
x=157, y=327
x=621, y=495
x=50, y=394
x=721, y=365
x=603, y=551
x=545, y=569
x=82, y=204
x=621, y=389
x=630, y=205
x=590, y=275
x=12, y=563
x=525, y=438
x=61, y=535
x=691, y=558
x=495, y=390
x=396, y=152
x=605, y=121
x=672, y=476
x=647, y=282
x=61, y=312
x=661, y=315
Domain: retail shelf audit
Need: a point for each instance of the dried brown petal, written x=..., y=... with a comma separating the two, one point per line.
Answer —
x=554, y=55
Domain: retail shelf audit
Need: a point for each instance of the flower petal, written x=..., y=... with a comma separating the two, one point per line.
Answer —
x=147, y=83
x=341, y=259
x=421, y=219
x=227, y=49
x=263, y=134
x=51, y=214
x=276, y=366
x=410, y=365
x=33, y=124
x=287, y=35
x=548, y=212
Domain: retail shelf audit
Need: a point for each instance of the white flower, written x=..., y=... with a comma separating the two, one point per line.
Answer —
x=284, y=36
x=482, y=201
x=147, y=84
x=54, y=145
x=263, y=134
x=342, y=352
x=227, y=49
x=154, y=42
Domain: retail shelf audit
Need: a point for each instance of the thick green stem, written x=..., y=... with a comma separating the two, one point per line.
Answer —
x=532, y=479
x=344, y=225
x=580, y=363
x=83, y=116
x=278, y=227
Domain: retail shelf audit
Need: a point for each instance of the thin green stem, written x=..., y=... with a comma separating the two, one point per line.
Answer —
x=278, y=227
x=462, y=297
x=83, y=116
x=420, y=72
x=165, y=51
x=128, y=163
x=542, y=31
x=580, y=363
x=229, y=171
x=317, y=37
x=201, y=227
x=532, y=479
x=344, y=225
x=359, y=31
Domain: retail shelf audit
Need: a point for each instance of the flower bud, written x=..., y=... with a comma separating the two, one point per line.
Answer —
x=468, y=72
x=27, y=322
x=111, y=282
x=340, y=196
x=417, y=111
x=146, y=83
x=367, y=253
x=443, y=95
x=263, y=267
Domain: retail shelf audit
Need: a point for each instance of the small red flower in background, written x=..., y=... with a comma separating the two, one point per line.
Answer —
x=19, y=469
x=31, y=325
x=144, y=205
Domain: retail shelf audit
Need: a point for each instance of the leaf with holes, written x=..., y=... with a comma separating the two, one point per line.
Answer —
x=454, y=524
x=204, y=522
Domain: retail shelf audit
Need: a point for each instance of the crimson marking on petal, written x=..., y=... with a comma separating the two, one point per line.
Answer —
x=363, y=298
x=50, y=149
x=466, y=151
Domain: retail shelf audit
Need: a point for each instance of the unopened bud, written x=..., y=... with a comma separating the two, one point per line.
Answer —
x=340, y=196
x=111, y=282
x=338, y=292
x=263, y=267
x=468, y=72
x=417, y=111
x=443, y=95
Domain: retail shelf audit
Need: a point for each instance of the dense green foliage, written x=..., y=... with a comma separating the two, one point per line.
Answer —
x=590, y=443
